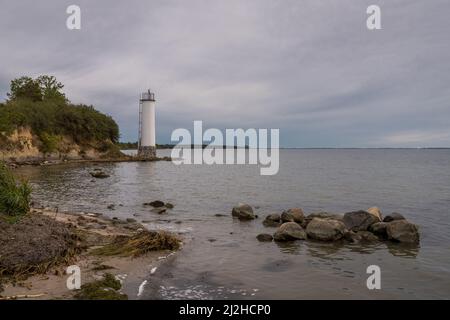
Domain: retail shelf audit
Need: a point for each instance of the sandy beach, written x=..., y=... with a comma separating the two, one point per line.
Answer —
x=97, y=232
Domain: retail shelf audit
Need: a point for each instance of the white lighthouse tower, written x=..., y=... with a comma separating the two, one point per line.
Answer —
x=147, y=136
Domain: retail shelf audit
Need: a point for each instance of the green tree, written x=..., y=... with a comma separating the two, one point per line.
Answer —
x=51, y=88
x=25, y=87
x=43, y=88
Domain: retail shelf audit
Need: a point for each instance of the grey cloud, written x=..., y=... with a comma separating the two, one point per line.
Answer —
x=310, y=68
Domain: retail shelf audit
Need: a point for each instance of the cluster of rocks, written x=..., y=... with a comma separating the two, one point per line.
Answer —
x=356, y=226
x=159, y=206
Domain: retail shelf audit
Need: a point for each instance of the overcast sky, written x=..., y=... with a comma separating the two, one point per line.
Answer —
x=310, y=68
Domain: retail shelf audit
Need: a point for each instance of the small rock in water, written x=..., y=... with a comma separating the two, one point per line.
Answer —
x=297, y=214
x=159, y=210
x=131, y=220
x=359, y=220
x=272, y=220
x=243, y=212
x=403, y=231
x=155, y=204
x=264, y=237
x=393, y=217
x=367, y=236
x=99, y=174
x=111, y=206
x=325, y=229
x=287, y=217
x=376, y=212
x=379, y=229
x=352, y=236
x=290, y=231
x=169, y=205
x=321, y=215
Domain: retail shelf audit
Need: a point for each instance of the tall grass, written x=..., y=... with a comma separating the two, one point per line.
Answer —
x=15, y=195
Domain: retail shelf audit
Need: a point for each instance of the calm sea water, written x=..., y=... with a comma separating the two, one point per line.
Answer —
x=223, y=259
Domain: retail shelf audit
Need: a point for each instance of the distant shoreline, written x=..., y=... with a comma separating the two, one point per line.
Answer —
x=381, y=148
x=165, y=147
x=50, y=162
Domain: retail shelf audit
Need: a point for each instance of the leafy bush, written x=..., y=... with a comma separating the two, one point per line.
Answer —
x=50, y=143
x=14, y=196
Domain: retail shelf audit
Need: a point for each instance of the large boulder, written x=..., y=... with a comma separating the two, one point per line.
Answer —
x=394, y=216
x=379, y=229
x=297, y=214
x=325, y=229
x=359, y=220
x=272, y=220
x=403, y=231
x=243, y=212
x=290, y=231
x=287, y=217
x=376, y=212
